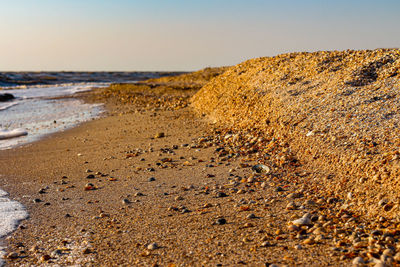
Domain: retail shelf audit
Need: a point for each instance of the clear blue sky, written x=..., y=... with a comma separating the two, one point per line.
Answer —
x=184, y=34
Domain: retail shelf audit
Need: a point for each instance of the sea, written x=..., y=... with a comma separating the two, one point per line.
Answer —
x=43, y=103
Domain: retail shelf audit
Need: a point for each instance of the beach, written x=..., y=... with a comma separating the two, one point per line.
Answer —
x=174, y=174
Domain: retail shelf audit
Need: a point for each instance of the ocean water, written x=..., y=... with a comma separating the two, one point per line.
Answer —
x=37, y=111
x=42, y=110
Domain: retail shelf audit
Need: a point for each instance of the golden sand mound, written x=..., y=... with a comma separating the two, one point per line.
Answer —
x=338, y=110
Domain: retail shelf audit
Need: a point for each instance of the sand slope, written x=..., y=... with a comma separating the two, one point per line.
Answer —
x=339, y=111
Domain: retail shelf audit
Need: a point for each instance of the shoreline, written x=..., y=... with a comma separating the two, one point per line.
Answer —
x=170, y=188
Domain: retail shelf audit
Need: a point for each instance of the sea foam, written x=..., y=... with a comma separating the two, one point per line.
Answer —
x=11, y=213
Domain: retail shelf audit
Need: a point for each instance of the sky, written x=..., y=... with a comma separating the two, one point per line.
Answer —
x=184, y=35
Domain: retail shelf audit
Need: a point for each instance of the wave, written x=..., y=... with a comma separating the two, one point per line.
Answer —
x=7, y=105
x=8, y=134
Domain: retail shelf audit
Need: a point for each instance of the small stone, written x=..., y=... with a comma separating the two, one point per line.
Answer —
x=152, y=179
x=388, y=252
x=42, y=191
x=397, y=256
x=126, y=201
x=279, y=189
x=90, y=176
x=86, y=251
x=138, y=194
x=293, y=228
x=251, y=216
x=89, y=186
x=56, y=253
x=298, y=247
x=291, y=206
x=11, y=255
x=159, y=135
x=309, y=241
x=37, y=200
x=247, y=225
x=260, y=168
x=265, y=244
x=302, y=221
x=45, y=258
x=220, y=221
x=221, y=194
x=153, y=246
x=246, y=239
x=185, y=210
x=358, y=261
x=293, y=195
x=34, y=248
x=177, y=198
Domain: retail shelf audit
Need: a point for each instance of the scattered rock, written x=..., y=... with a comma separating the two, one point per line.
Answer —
x=305, y=220
x=159, y=135
x=11, y=255
x=153, y=246
x=220, y=221
x=6, y=97
x=260, y=168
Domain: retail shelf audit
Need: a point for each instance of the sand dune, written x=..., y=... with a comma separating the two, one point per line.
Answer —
x=339, y=112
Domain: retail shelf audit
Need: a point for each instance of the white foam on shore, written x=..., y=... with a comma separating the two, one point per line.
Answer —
x=4, y=134
x=11, y=213
x=4, y=106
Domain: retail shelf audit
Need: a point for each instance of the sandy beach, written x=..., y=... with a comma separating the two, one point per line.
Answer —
x=154, y=183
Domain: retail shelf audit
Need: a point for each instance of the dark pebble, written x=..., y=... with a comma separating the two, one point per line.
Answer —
x=221, y=221
x=279, y=189
x=221, y=194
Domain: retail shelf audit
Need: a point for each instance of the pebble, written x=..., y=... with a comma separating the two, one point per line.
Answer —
x=358, y=261
x=302, y=221
x=265, y=244
x=45, y=258
x=221, y=194
x=279, y=189
x=291, y=206
x=153, y=246
x=261, y=168
x=126, y=201
x=177, y=198
x=89, y=186
x=298, y=247
x=86, y=251
x=159, y=135
x=11, y=255
x=220, y=221
x=397, y=256
x=293, y=228
x=56, y=253
x=152, y=179
x=251, y=216
x=309, y=241
x=293, y=195
x=388, y=252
